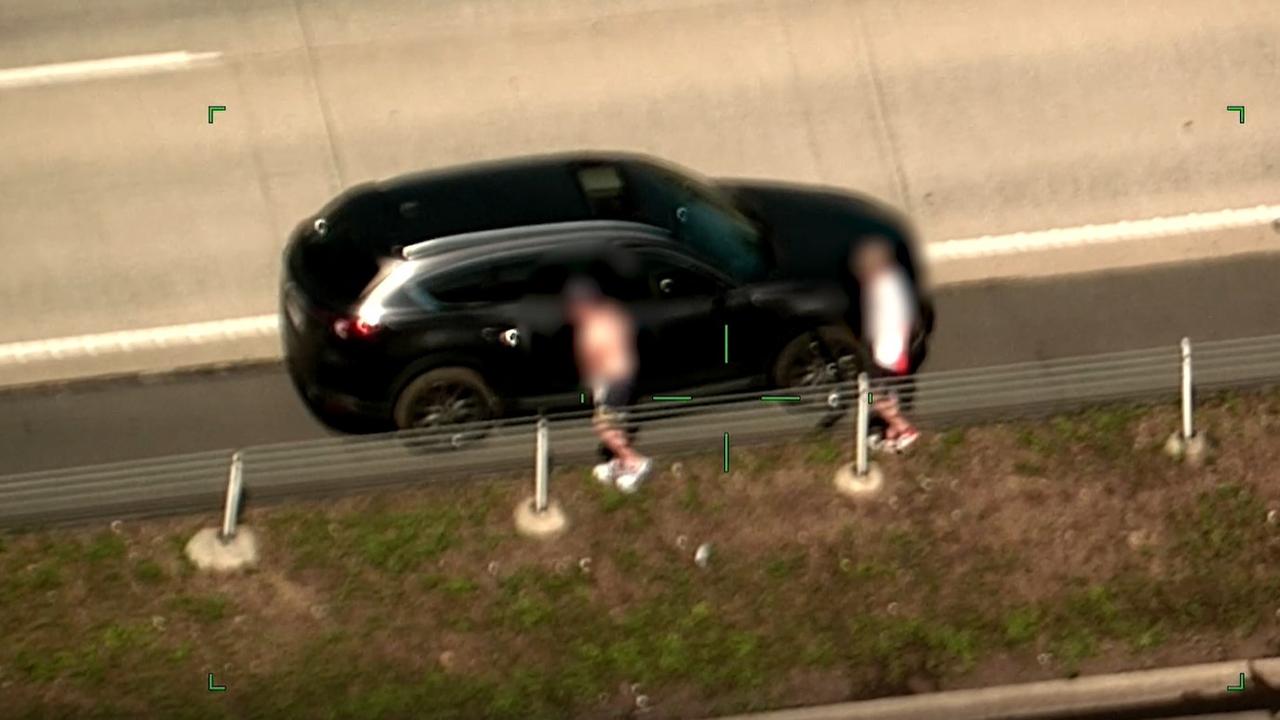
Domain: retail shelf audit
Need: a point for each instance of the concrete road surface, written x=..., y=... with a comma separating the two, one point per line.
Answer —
x=979, y=325
x=121, y=207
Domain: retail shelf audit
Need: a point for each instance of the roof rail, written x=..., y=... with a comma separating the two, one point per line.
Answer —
x=446, y=243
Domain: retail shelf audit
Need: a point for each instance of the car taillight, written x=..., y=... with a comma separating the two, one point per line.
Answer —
x=357, y=328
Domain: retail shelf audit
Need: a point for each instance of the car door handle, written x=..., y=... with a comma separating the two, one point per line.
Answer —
x=508, y=336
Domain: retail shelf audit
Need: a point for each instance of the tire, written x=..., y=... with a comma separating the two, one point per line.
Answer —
x=833, y=356
x=820, y=358
x=443, y=398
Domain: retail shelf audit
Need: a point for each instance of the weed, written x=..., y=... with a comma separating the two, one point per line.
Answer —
x=1219, y=581
x=1028, y=469
x=1105, y=430
x=202, y=609
x=824, y=451
x=44, y=576
x=611, y=500
x=690, y=496
x=105, y=547
x=400, y=542
x=943, y=451
x=1230, y=401
x=307, y=534
x=148, y=572
x=1022, y=625
x=459, y=587
x=786, y=565
x=760, y=461
x=1030, y=439
x=901, y=647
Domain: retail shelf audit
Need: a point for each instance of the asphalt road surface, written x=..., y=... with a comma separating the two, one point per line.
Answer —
x=121, y=207
x=979, y=325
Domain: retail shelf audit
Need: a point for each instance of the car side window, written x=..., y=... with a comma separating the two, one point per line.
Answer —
x=670, y=276
x=477, y=283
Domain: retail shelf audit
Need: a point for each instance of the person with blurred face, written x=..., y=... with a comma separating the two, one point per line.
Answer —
x=605, y=348
x=888, y=320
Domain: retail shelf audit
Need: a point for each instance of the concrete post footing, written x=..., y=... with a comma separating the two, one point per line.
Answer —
x=1192, y=450
x=208, y=551
x=546, y=524
x=850, y=485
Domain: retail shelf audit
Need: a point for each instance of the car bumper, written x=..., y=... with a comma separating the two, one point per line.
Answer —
x=346, y=413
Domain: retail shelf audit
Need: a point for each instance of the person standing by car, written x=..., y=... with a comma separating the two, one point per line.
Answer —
x=888, y=321
x=605, y=349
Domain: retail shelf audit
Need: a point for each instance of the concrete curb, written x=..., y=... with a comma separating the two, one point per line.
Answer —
x=1097, y=696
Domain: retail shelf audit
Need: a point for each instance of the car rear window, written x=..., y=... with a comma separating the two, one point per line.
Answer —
x=335, y=267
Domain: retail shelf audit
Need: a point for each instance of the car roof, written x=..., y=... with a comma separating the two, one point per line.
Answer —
x=477, y=197
x=449, y=252
x=509, y=168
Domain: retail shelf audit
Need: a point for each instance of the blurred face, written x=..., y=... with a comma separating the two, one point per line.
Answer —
x=574, y=310
x=577, y=305
x=871, y=256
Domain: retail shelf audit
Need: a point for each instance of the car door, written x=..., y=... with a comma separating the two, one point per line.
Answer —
x=474, y=309
x=685, y=311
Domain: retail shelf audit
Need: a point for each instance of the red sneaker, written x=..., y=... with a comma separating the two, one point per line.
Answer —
x=906, y=440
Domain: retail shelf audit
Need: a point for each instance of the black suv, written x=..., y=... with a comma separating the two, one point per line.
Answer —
x=431, y=299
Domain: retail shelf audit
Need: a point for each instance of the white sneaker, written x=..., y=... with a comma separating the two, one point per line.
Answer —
x=630, y=481
x=606, y=472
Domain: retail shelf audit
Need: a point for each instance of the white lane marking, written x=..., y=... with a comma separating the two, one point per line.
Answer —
x=266, y=326
x=1058, y=238
x=105, y=67
x=127, y=341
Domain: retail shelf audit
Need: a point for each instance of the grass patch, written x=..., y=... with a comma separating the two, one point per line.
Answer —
x=1028, y=469
x=825, y=451
x=203, y=609
x=148, y=572
x=869, y=600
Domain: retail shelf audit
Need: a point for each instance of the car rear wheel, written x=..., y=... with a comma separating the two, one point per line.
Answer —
x=444, y=399
x=820, y=359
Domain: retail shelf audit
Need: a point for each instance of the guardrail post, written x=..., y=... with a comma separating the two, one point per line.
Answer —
x=229, y=547
x=540, y=516
x=860, y=478
x=863, y=423
x=1188, y=428
x=1185, y=443
x=542, y=467
x=231, y=508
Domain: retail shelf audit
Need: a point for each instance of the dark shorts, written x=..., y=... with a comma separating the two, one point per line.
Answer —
x=612, y=396
x=885, y=383
x=611, y=401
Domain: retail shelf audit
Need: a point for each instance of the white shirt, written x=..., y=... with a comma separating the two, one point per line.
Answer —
x=888, y=315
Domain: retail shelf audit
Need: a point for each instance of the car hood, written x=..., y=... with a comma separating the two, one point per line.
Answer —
x=811, y=229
